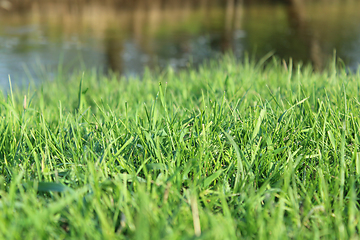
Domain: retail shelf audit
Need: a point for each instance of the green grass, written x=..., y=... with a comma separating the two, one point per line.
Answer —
x=231, y=150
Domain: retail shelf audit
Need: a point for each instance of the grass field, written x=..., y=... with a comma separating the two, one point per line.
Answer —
x=227, y=151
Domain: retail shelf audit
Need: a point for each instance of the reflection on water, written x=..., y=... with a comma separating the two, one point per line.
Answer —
x=125, y=36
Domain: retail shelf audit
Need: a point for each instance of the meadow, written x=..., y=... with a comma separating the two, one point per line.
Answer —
x=233, y=149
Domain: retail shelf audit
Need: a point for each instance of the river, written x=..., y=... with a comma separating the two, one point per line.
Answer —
x=40, y=38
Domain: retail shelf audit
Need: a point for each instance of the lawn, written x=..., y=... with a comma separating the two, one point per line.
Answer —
x=227, y=151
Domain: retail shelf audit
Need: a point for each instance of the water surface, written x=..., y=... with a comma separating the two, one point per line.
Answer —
x=126, y=36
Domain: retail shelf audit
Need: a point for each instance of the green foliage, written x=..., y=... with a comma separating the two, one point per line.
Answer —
x=231, y=150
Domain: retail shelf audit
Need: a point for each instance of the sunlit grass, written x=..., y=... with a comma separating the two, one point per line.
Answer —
x=225, y=152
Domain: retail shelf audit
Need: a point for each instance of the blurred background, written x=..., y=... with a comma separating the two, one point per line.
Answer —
x=124, y=36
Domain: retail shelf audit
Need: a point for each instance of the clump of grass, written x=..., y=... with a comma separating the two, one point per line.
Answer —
x=227, y=151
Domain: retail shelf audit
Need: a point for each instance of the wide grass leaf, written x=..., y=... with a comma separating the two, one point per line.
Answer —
x=212, y=177
x=52, y=187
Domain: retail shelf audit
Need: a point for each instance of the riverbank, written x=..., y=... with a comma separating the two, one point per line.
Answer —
x=229, y=151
